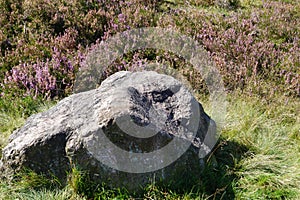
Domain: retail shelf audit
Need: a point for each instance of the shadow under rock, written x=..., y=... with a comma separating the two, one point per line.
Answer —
x=219, y=175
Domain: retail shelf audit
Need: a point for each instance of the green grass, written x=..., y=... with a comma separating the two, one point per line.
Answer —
x=258, y=157
x=271, y=131
x=13, y=192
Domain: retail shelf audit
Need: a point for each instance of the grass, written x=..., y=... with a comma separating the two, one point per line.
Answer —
x=258, y=157
x=271, y=131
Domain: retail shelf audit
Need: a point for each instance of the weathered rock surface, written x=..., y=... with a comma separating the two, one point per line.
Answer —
x=133, y=128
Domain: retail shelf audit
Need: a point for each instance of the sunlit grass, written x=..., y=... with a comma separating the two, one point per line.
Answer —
x=270, y=130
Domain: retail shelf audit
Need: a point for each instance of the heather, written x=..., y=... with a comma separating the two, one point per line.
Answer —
x=254, y=44
x=44, y=43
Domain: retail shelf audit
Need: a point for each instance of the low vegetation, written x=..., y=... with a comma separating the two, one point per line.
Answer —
x=256, y=48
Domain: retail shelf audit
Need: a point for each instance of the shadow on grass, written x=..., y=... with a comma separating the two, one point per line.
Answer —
x=219, y=175
x=216, y=180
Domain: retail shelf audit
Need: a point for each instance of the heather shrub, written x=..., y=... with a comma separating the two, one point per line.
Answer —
x=32, y=26
x=202, y=2
x=228, y=4
x=242, y=47
x=44, y=43
x=46, y=52
x=133, y=14
x=52, y=76
x=225, y=4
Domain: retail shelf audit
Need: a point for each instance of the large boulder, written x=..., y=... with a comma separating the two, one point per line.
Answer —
x=134, y=128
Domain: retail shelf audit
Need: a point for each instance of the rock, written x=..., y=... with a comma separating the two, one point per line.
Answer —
x=134, y=128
